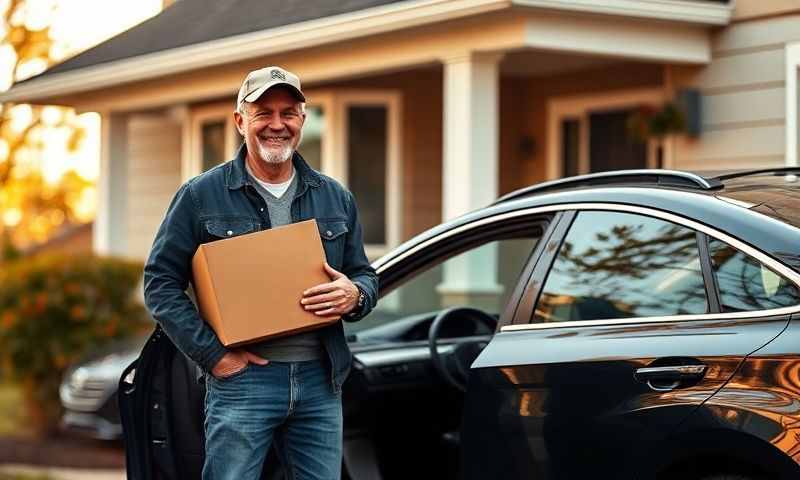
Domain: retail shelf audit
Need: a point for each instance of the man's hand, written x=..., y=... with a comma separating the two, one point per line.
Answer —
x=335, y=298
x=234, y=361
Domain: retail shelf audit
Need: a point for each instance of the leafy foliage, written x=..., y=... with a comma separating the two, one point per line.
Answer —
x=33, y=207
x=648, y=122
x=55, y=309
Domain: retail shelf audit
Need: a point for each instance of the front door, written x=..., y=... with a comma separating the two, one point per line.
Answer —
x=611, y=146
x=628, y=336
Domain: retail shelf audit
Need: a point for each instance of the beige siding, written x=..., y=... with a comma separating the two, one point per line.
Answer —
x=744, y=108
x=749, y=9
x=154, y=174
x=748, y=147
x=756, y=34
x=745, y=71
x=743, y=91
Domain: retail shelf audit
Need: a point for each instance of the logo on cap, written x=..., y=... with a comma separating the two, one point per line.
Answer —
x=277, y=74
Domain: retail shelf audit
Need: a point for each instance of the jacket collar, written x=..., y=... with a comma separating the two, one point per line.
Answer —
x=236, y=174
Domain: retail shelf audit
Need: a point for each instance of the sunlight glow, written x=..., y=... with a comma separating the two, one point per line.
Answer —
x=77, y=31
x=51, y=115
x=74, y=27
x=56, y=150
x=12, y=216
x=21, y=117
x=84, y=207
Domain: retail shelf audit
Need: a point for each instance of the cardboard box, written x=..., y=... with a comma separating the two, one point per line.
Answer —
x=249, y=287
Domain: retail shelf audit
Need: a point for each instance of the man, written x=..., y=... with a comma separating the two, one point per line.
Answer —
x=287, y=390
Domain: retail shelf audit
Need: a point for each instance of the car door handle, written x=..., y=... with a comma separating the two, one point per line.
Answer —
x=668, y=377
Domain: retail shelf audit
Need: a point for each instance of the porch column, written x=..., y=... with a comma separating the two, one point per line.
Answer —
x=181, y=114
x=110, y=225
x=470, y=170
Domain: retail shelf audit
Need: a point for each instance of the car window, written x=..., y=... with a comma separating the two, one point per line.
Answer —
x=483, y=277
x=745, y=284
x=622, y=265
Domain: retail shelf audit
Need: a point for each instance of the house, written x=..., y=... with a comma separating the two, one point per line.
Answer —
x=70, y=239
x=427, y=109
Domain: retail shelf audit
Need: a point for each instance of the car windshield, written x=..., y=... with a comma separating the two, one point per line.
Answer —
x=482, y=277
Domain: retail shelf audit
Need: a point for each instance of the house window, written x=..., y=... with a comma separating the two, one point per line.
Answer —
x=366, y=158
x=367, y=128
x=313, y=132
x=213, y=143
x=214, y=138
x=589, y=134
x=570, y=153
x=610, y=145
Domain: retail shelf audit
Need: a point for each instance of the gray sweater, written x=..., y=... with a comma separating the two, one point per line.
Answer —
x=301, y=346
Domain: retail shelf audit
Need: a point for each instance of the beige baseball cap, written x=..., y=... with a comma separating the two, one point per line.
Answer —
x=259, y=81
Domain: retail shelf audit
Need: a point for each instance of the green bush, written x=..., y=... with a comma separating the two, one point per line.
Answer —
x=55, y=309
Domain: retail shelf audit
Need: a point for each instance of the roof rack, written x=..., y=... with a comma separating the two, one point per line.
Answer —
x=651, y=177
x=747, y=173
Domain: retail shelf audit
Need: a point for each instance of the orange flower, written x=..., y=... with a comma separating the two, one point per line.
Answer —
x=8, y=319
x=110, y=329
x=41, y=302
x=77, y=313
x=60, y=361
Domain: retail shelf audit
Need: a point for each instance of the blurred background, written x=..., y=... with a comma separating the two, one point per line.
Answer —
x=55, y=304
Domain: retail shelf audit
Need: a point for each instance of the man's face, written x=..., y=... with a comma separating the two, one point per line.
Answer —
x=272, y=125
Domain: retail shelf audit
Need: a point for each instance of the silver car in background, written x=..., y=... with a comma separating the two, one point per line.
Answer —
x=89, y=391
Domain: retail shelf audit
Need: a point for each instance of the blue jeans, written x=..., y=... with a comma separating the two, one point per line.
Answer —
x=290, y=402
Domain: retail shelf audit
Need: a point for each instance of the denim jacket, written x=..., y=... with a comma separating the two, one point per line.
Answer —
x=223, y=200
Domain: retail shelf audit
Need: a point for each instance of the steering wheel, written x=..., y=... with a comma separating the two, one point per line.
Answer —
x=454, y=366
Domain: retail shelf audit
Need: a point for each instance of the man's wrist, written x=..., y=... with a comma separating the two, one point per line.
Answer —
x=360, y=301
x=219, y=351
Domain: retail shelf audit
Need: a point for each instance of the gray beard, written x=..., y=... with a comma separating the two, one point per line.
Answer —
x=273, y=157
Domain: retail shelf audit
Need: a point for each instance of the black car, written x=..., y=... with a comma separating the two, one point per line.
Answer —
x=633, y=324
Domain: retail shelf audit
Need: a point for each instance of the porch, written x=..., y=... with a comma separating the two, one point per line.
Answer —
x=416, y=145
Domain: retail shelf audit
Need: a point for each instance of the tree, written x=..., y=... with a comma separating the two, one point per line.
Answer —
x=32, y=205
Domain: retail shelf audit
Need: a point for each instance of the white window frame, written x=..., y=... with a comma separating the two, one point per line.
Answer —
x=792, y=98
x=220, y=111
x=392, y=101
x=334, y=153
x=325, y=100
x=579, y=107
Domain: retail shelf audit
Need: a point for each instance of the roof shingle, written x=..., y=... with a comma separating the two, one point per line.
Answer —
x=188, y=22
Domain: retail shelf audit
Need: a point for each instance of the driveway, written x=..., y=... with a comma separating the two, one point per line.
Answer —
x=63, y=473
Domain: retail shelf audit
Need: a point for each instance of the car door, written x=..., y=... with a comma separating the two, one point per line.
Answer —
x=397, y=404
x=619, y=338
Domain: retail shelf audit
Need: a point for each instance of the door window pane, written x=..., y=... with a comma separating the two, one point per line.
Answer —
x=213, y=140
x=610, y=145
x=313, y=129
x=428, y=291
x=745, y=284
x=570, y=146
x=621, y=265
x=366, y=171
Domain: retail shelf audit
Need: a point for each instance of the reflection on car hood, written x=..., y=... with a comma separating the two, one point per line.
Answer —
x=112, y=365
x=109, y=367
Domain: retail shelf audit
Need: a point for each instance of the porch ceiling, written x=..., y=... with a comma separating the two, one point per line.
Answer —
x=539, y=63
